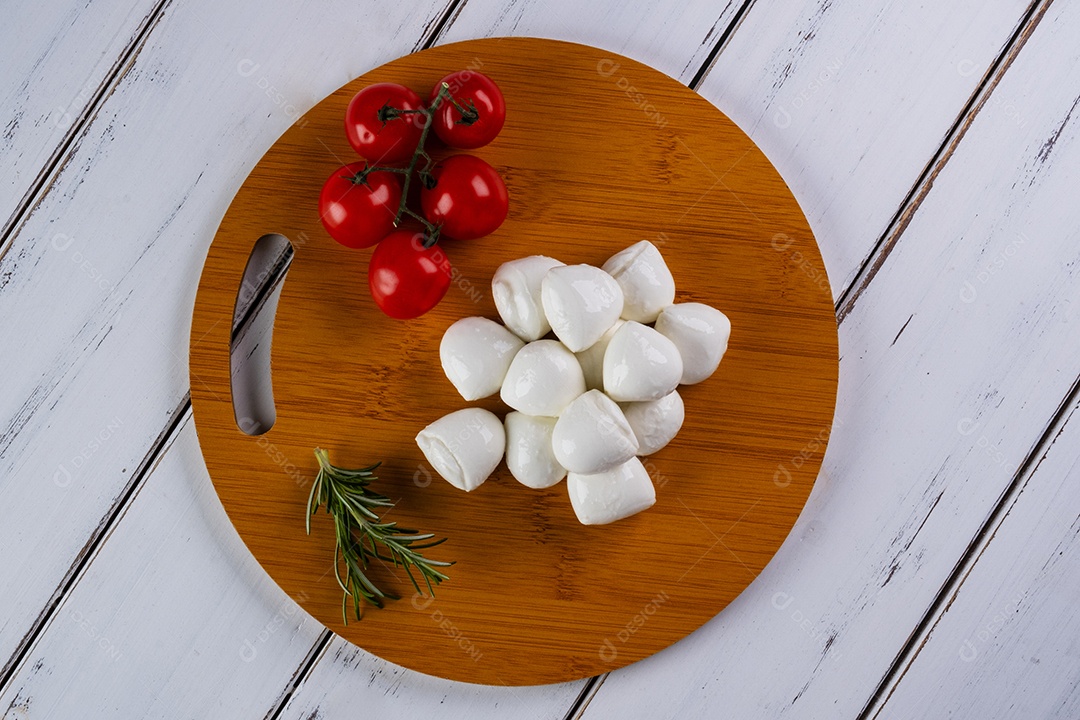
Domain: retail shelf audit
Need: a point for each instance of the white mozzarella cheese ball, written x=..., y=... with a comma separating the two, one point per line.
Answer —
x=646, y=282
x=701, y=333
x=516, y=290
x=464, y=447
x=612, y=495
x=543, y=378
x=592, y=358
x=476, y=353
x=655, y=422
x=529, y=453
x=640, y=364
x=581, y=302
x=592, y=435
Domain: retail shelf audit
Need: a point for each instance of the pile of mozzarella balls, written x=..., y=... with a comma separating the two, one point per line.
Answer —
x=587, y=404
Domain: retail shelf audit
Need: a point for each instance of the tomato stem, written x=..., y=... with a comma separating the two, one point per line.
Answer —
x=432, y=235
x=362, y=175
x=432, y=230
x=469, y=115
x=387, y=112
x=428, y=162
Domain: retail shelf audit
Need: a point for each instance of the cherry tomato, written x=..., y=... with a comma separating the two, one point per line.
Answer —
x=468, y=86
x=469, y=199
x=407, y=279
x=358, y=213
x=392, y=140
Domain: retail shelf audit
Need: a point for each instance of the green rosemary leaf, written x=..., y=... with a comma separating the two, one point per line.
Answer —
x=359, y=533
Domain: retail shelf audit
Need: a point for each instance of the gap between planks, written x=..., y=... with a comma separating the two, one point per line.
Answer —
x=60, y=156
x=721, y=43
x=592, y=686
x=314, y=655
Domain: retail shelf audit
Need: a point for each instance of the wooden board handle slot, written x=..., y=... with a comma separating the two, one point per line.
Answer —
x=253, y=328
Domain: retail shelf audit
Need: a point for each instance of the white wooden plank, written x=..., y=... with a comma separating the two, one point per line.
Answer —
x=55, y=56
x=675, y=38
x=851, y=99
x=954, y=359
x=102, y=276
x=174, y=618
x=1009, y=641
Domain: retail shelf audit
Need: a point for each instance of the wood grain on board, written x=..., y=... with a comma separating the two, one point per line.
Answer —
x=539, y=597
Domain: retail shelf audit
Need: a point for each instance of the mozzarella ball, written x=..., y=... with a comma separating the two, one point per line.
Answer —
x=655, y=422
x=543, y=378
x=592, y=435
x=640, y=364
x=516, y=290
x=646, y=282
x=592, y=359
x=476, y=353
x=581, y=302
x=612, y=495
x=700, y=333
x=529, y=454
x=464, y=447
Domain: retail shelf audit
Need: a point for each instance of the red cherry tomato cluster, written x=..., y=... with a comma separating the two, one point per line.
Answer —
x=462, y=197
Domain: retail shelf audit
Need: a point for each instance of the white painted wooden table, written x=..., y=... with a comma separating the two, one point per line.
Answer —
x=934, y=147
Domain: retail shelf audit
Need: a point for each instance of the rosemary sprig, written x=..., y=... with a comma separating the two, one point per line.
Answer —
x=359, y=533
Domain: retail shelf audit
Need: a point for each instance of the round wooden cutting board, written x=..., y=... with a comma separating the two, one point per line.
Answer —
x=598, y=152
